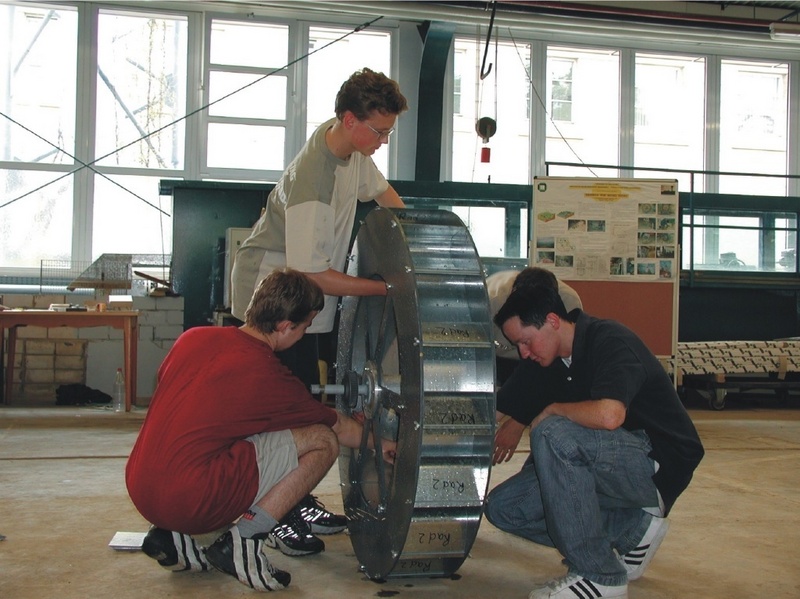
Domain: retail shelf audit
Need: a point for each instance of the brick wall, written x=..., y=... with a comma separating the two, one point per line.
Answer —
x=49, y=357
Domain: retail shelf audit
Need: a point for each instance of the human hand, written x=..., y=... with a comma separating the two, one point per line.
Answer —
x=506, y=440
x=389, y=450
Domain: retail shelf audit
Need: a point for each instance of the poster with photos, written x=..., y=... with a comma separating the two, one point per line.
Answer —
x=606, y=229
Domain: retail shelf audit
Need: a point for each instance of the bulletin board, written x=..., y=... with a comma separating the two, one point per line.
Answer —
x=615, y=241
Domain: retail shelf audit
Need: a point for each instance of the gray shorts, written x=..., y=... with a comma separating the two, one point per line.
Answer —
x=276, y=456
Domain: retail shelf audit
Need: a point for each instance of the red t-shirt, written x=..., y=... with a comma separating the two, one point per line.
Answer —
x=190, y=469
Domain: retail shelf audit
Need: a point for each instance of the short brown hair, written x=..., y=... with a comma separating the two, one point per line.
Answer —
x=531, y=305
x=284, y=294
x=367, y=91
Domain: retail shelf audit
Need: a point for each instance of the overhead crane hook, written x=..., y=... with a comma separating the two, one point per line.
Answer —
x=484, y=71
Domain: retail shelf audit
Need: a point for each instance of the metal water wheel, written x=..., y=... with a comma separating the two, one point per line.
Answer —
x=419, y=364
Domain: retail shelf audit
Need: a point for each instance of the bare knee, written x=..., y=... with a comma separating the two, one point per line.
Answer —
x=316, y=437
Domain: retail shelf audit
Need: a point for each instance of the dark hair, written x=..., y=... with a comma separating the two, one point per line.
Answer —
x=367, y=91
x=284, y=294
x=531, y=305
x=533, y=276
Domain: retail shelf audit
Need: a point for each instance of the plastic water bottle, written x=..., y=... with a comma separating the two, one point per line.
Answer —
x=118, y=398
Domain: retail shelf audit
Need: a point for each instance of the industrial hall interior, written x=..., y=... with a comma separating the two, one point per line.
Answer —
x=399, y=299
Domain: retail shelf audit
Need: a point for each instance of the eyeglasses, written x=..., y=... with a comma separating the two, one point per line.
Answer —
x=381, y=134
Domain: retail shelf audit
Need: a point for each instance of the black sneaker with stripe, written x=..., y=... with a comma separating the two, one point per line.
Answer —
x=244, y=559
x=292, y=536
x=320, y=520
x=174, y=551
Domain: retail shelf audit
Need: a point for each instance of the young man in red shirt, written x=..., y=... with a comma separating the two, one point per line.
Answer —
x=231, y=434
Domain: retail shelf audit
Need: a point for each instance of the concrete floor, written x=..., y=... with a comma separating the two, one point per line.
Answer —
x=735, y=533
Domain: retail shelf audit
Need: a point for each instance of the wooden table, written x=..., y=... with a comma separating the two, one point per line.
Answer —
x=125, y=320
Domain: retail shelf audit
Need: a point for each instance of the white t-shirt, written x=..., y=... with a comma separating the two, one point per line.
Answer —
x=308, y=222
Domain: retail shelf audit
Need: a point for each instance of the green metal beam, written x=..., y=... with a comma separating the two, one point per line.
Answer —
x=437, y=39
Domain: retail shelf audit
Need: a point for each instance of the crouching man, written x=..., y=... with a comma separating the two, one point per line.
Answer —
x=232, y=436
x=612, y=447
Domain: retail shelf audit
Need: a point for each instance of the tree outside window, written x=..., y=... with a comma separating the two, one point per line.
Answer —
x=561, y=89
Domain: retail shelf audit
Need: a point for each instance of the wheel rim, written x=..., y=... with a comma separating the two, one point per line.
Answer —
x=423, y=358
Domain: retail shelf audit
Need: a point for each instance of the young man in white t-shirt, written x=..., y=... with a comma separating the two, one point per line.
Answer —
x=307, y=225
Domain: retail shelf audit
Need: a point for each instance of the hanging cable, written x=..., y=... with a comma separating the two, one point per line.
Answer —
x=478, y=97
x=76, y=159
x=544, y=105
x=486, y=126
x=484, y=71
x=496, y=73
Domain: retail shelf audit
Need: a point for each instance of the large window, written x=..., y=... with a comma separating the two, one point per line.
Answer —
x=91, y=124
x=37, y=145
x=669, y=122
x=130, y=217
x=100, y=100
x=37, y=85
x=583, y=124
x=753, y=125
x=503, y=96
x=740, y=240
x=141, y=102
x=484, y=222
x=329, y=68
x=35, y=217
x=753, y=138
x=141, y=90
x=580, y=100
x=654, y=111
x=680, y=116
x=247, y=94
x=63, y=178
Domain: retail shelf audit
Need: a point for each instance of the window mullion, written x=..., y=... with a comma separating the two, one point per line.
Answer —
x=793, y=126
x=538, y=116
x=85, y=129
x=627, y=107
x=297, y=91
x=195, y=142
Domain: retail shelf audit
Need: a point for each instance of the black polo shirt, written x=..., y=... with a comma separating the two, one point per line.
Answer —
x=609, y=361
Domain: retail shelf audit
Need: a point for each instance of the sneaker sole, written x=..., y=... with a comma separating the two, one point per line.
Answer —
x=247, y=563
x=325, y=530
x=276, y=543
x=583, y=589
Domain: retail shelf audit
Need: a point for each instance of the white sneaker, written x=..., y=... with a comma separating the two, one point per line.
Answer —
x=572, y=586
x=637, y=560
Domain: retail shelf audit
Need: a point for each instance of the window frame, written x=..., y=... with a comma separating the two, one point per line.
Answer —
x=197, y=119
x=291, y=120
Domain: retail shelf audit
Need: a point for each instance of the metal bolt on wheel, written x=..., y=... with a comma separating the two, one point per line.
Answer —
x=419, y=364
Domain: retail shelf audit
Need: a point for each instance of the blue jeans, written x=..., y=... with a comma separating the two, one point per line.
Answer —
x=581, y=491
